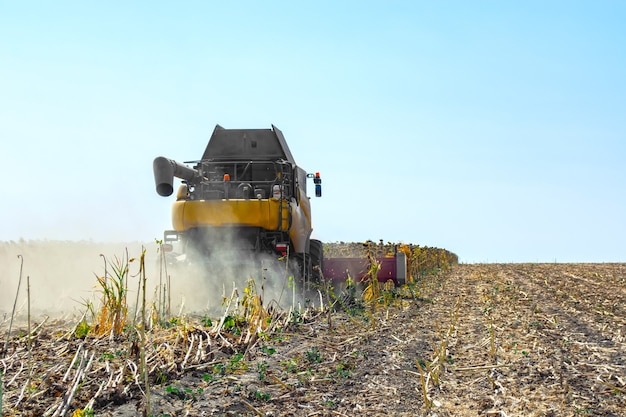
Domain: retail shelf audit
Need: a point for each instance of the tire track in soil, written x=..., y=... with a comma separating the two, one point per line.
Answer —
x=571, y=351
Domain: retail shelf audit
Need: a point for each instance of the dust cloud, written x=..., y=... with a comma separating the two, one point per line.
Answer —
x=207, y=285
x=63, y=277
x=221, y=265
x=62, y=274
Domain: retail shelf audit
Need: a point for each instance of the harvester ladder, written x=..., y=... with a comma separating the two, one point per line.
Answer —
x=284, y=216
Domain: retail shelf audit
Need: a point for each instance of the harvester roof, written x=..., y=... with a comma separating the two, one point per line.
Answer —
x=247, y=144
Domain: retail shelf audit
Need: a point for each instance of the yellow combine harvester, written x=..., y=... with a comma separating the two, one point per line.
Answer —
x=246, y=193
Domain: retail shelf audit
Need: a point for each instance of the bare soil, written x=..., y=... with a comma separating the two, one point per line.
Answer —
x=492, y=339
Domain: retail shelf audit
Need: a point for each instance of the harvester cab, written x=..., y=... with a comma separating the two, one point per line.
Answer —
x=246, y=192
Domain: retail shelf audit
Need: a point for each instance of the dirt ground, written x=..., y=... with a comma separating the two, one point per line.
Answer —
x=478, y=340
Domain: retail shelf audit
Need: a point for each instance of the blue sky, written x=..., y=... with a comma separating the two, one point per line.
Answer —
x=494, y=129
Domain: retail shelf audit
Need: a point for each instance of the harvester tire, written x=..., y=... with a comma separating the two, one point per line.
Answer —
x=316, y=251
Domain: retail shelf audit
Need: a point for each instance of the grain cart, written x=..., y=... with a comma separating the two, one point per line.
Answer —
x=246, y=193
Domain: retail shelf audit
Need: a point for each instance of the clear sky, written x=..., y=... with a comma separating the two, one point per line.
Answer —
x=494, y=129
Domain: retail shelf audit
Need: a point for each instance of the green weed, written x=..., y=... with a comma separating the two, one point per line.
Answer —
x=313, y=356
x=262, y=370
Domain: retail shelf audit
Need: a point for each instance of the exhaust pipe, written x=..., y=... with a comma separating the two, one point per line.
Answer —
x=164, y=172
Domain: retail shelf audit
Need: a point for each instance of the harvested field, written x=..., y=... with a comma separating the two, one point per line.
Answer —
x=490, y=339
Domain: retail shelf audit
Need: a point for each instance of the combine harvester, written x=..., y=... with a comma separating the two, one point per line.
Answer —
x=247, y=195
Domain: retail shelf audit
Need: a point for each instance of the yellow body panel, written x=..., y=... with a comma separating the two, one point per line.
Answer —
x=265, y=213
x=269, y=214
